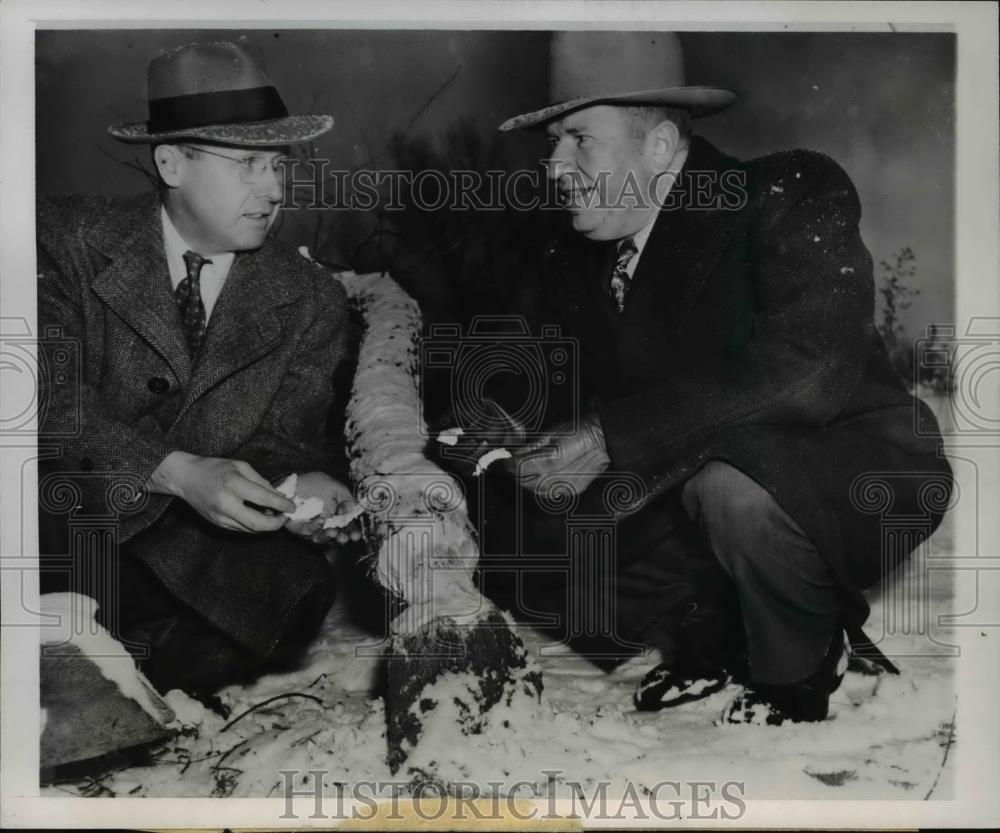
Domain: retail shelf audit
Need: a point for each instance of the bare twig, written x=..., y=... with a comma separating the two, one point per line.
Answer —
x=323, y=230
x=218, y=764
x=225, y=783
x=135, y=166
x=263, y=703
x=300, y=741
x=430, y=100
x=320, y=677
x=94, y=787
x=947, y=748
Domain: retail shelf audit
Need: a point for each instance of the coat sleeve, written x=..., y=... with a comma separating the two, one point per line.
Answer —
x=72, y=417
x=808, y=340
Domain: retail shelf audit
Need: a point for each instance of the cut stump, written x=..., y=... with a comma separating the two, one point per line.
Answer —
x=476, y=667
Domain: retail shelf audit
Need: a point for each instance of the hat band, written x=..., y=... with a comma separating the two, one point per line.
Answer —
x=181, y=112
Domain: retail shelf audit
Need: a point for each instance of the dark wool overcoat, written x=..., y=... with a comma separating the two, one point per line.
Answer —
x=261, y=391
x=748, y=337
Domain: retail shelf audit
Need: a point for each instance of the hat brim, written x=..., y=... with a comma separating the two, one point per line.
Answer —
x=289, y=130
x=700, y=101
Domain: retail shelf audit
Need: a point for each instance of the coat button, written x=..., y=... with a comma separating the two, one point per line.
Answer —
x=158, y=385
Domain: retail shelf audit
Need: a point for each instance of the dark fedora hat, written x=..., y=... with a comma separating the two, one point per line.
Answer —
x=625, y=68
x=215, y=92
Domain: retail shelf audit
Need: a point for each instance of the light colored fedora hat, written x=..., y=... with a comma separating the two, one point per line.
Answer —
x=215, y=92
x=628, y=68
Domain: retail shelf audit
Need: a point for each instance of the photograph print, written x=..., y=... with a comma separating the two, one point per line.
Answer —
x=563, y=414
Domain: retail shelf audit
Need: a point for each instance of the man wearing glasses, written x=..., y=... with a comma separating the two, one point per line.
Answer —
x=208, y=353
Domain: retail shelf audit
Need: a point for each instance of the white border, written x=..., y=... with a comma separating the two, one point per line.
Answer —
x=977, y=267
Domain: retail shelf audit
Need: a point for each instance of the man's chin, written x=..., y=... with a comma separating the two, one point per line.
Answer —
x=249, y=242
x=583, y=224
x=591, y=230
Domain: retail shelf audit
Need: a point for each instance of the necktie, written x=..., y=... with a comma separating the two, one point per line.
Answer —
x=620, y=277
x=188, y=296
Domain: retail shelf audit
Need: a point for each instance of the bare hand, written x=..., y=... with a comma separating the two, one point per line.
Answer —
x=337, y=500
x=219, y=490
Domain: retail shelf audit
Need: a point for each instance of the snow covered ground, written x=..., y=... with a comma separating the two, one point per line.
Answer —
x=886, y=737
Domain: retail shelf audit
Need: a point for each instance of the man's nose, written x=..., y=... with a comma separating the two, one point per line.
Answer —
x=560, y=160
x=272, y=185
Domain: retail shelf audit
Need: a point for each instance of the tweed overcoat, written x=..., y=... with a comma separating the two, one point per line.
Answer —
x=748, y=337
x=261, y=391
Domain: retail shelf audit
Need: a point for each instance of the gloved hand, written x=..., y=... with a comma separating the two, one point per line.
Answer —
x=496, y=429
x=563, y=459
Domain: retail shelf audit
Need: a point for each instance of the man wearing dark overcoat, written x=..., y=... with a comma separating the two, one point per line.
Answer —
x=208, y=358
x=724, y=311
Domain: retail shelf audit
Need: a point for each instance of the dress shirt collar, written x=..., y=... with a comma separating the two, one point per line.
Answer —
x=213, y=275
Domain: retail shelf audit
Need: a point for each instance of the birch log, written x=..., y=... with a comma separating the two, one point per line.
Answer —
x=454, y=661
x=415, y=516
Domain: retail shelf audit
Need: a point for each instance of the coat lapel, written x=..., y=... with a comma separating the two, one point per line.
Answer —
x=135, y=285
x=683, y=247
x=245, y=323
x=579, y=269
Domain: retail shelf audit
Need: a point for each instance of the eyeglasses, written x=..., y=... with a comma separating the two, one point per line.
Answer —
x=251, y=168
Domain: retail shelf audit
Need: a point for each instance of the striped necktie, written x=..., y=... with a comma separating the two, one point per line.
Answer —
x=188, y=297
x=620, y=277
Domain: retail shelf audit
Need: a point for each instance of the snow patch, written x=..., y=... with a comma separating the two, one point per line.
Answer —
x=189, y=712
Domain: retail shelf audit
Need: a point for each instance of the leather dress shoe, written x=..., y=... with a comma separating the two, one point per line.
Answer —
x=672, y=684
x=806, y=701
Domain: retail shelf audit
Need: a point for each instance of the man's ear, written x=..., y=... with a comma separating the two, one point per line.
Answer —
x=664, y=140
x=168, y=160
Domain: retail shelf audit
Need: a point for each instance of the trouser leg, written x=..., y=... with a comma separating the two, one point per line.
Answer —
x=183, y=650
x=675, y=596
x=661, y=588
x=787, y=594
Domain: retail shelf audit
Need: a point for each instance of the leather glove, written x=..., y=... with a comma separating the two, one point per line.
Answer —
x=495, y=429
x=562, y=459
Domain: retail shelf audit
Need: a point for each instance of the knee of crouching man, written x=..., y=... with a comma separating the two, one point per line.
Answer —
x=721, y=490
